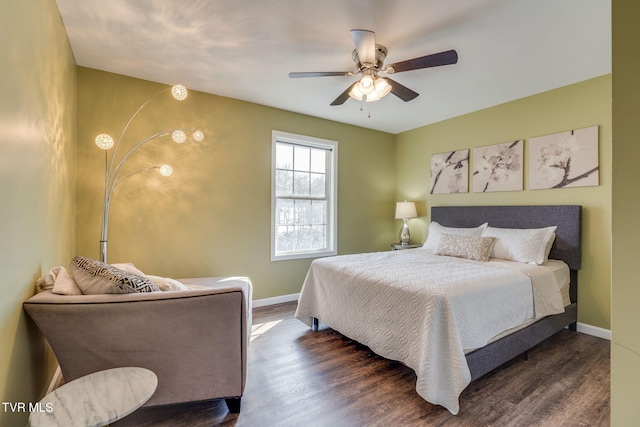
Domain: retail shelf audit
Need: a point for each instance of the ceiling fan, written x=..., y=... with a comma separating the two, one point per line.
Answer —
x=369, y=58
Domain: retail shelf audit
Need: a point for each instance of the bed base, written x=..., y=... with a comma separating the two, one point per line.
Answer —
x=493, y=355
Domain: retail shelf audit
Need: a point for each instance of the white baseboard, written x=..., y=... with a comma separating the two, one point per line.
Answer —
x=275, y=300
x=594, y=330
x=581, y=327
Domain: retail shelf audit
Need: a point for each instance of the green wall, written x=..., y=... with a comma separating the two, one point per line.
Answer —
x=37, y=184
x=212, y=216
x=572, y=107
x=625, y=344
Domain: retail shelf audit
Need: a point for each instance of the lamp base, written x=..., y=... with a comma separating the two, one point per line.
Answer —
x=405, y=237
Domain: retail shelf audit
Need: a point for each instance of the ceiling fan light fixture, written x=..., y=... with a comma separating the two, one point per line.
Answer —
x=377, y=90
x=355, y=92
x=366, y=84
x=373, y=96
x=382, y=87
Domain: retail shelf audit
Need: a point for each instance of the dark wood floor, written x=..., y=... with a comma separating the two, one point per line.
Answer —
x=298, y=377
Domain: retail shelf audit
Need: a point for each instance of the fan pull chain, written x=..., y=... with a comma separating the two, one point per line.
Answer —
x=368, y=112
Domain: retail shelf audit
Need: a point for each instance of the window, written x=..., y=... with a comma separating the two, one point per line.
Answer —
x=303, y=188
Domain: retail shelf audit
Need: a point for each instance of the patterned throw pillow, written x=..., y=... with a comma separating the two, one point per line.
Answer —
x=95, y=277
x=436, y=230
x=470, y=247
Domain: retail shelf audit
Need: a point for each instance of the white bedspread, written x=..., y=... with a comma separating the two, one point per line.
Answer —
x=424, y=310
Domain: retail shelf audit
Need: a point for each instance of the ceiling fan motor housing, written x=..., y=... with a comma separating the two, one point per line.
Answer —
x=381, y=54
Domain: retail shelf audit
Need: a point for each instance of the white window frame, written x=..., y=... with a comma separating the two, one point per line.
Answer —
x=332, y=191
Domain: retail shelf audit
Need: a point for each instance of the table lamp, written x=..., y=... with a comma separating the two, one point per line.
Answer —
x=404, y=211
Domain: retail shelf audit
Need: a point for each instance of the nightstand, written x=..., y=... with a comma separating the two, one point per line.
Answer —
x=400, y=246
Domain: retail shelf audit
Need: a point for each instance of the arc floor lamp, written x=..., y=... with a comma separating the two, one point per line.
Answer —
x=114, y=164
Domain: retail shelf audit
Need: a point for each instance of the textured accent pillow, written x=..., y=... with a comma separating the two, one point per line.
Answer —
x=436, y=230
x=163, y=283
x=95, y=277
x=476, y=248
x=522, y=245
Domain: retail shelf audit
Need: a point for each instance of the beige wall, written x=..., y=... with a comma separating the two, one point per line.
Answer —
x=212, y=216
x=625, y=348
x=37, y=184
x=571, y=107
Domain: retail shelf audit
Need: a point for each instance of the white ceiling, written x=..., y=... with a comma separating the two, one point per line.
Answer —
x=244, y=49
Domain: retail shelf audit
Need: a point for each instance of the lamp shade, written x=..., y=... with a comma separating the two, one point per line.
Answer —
x=406, y=210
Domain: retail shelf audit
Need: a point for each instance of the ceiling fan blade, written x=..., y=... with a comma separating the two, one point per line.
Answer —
x=435, y=60
x=401, y=91
x=365, y=43
x=320, y=74
x=342, y=98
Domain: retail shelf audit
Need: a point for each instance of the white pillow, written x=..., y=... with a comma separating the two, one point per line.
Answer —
x=59, y=281
x=436, y=230
x=129, y=268
x=547, y=249
x=527, y=245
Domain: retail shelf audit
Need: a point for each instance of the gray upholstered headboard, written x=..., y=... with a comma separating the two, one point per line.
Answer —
x=566, y=217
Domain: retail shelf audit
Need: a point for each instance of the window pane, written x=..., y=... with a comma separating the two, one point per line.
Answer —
x=284, y=238
x=301, y=158
x=318, y=237
x=284, y=183
x=302, y=212
x=318, y=161
x=318, y=188
x=284, y=156
x=302, y=238
x=284, y=212
x=318, y=212
x=300, y=184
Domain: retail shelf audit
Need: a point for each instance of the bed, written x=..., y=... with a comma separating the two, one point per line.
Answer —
x=451, y=330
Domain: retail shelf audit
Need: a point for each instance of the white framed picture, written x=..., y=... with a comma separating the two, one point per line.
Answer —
x=450, y=172
x=498, y=167
x=565, y=159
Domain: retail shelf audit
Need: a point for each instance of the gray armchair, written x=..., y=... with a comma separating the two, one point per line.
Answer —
x=195, y=341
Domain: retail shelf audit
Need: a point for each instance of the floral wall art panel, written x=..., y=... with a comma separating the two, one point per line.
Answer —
x=498, y=167
x=450, y=172
x=565, y=159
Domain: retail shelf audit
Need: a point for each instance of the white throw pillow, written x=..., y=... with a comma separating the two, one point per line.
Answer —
x=528, y=245
x=436, y=230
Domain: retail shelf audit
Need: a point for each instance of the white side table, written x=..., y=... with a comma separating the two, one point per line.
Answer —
x=96, y=399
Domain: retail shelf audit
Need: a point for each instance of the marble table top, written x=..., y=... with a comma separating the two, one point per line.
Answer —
x=96, y=399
